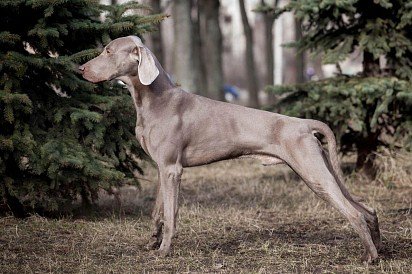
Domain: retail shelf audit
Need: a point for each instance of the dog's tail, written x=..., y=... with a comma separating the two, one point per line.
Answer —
x=325, y=130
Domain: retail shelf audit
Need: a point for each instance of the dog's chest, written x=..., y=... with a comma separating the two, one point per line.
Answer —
x=141, y=138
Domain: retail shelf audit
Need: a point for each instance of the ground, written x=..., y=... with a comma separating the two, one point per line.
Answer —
x=235, y=217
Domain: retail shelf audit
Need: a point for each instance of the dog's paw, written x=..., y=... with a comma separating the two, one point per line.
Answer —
x=368, y=258
x=378, y=245
x=153, y=243
x=162, y=252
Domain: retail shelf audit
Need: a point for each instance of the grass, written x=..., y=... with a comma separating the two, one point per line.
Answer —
x=235, y=217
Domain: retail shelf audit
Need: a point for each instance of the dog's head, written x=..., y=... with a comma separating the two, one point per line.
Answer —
x=122, y=57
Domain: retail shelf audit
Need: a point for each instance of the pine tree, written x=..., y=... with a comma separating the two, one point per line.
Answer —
x=376, y=28
x=367, y=110
x=61, y=136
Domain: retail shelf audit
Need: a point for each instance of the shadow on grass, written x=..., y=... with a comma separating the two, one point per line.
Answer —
x=113, y=211
x=299, y=236
x=293, y=234
x=396, y=248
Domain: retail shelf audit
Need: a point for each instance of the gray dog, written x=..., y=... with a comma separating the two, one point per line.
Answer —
x=180, y=129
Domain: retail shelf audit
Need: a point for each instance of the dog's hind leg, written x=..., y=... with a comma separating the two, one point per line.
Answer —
x=310, y=165
x=368, y=213
x=332, y=162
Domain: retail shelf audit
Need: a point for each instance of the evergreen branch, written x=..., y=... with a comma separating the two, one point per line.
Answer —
x=84, y=55
x=9, y=38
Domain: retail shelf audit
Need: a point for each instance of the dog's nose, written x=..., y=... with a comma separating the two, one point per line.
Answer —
x=81, y=68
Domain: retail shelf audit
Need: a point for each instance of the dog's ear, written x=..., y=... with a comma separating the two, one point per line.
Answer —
x=148, y=70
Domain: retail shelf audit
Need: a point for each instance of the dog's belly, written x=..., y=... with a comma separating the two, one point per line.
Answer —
x=266, y=160
x=199, y=158
x=203, y=154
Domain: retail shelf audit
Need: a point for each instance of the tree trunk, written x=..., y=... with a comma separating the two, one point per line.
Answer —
x=365, y=157
x=15, y=205
x=198, y=44
x=300, y=54
x=86, y=199
x=366, y=147
x=213, y=50
x=183, y=46
x=250, y=60
x=371, y=67
x=157, y=35
x=317, y=65
x=269, y=54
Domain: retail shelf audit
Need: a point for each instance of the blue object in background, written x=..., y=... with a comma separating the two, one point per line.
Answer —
x=232, y=90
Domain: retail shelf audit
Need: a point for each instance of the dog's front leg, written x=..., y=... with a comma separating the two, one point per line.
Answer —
x=157, y=219
x=170, y=181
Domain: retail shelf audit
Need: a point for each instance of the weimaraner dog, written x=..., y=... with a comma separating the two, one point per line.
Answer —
x=179, y=129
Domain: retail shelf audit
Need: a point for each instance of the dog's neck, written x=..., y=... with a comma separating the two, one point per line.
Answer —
x=143, y=96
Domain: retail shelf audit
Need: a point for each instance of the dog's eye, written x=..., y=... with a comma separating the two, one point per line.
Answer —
x=108, y=51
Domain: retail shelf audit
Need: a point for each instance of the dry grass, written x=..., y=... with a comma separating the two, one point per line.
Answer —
x=394, y=167
x=235, y=216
